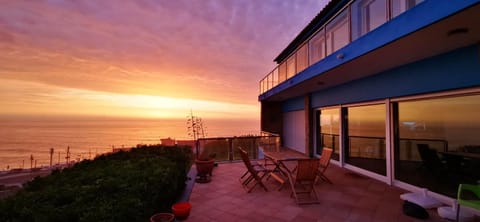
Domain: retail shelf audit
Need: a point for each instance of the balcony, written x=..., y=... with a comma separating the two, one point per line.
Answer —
x=350, y=45
x=354, y=20
x=352, y=197
x=224, y=148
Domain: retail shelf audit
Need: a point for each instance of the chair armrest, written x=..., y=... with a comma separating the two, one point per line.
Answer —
x=473, y=192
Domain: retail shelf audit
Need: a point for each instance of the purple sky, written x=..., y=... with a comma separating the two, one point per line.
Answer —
x=97, y=57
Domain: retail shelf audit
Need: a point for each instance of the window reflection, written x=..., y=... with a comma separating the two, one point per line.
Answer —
x=302, y=58
x=329, y=124
x=275, y=77
x=438, y=145
x=317, y=47
x=291, y=66
x=337, y=33
x=367, y=15
x=365, y=145
x=269, y=81
x=400, y=6
x=282, y=72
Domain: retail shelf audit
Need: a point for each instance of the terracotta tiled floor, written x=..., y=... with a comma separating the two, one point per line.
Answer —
x=351, y=197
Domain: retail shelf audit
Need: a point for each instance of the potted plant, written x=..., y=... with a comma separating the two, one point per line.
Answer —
x=181, y=210
x=204, y=164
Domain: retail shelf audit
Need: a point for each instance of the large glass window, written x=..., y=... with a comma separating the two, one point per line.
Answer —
x=400, y=6
x=438, y=143
x=317, y=47
x=329, y=131
x=367, y=15
x=291, y=71
x=337, y=33
x=302, y=58
x=365, y=140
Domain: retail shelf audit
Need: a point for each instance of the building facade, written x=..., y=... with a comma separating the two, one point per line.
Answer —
x=393, y=86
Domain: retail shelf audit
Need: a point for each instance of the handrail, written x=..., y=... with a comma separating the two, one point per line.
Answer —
x=269, y=133
x=404, y=140
x=265, y=85
x=225, y=147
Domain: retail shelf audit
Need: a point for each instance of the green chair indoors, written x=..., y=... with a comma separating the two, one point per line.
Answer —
x=468, y=195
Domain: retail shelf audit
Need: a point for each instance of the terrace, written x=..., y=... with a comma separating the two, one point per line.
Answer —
x=351, y=197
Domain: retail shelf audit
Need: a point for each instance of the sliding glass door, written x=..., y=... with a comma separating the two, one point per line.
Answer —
x=437, y=145
x=435, y=139
x=329, y=131
x=365, y=137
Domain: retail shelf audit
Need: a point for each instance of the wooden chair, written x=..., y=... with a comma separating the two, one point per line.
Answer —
x=432, y=163
x=255, y=173
x=304, y=180
x=253, y=162
x=323, y=165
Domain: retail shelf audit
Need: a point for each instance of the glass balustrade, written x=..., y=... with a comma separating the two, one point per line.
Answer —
x=356, y=19
x=225, y=148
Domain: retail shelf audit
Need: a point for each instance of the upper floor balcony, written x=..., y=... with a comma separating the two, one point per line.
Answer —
x=349, y=40
x=353, y=20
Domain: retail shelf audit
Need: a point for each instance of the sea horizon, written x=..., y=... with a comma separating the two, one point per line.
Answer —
x=86, y=137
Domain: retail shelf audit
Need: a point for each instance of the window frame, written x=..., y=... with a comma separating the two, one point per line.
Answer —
x=334, y=25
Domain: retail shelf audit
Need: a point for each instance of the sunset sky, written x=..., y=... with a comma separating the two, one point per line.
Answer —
x=144, y=58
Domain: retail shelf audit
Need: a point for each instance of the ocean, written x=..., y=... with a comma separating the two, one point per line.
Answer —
x=21, y=139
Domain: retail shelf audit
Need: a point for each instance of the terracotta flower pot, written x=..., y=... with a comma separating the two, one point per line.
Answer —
x=204, y=170
x=162, y=217
x=181, y=210
x=205, y=167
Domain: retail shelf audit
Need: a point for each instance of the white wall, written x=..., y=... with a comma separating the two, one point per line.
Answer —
x=294, y=130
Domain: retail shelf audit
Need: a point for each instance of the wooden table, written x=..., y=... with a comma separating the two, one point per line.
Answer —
x=456, y=161
x=462, y=154
x=281, y=172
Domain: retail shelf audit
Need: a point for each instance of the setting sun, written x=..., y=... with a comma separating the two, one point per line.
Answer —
x=165, y=58
x=87, y=75
x=49, y=100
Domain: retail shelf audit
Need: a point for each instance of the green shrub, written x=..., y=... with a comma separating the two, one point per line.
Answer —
x=123, y=186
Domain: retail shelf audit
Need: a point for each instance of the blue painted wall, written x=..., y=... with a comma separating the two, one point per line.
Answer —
x=293, y=104
x=457, y=69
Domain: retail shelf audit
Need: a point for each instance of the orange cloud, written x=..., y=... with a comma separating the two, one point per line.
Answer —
x=213, y=51
x=34, y=98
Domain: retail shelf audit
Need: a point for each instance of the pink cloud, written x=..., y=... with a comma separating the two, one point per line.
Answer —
x=211, y=47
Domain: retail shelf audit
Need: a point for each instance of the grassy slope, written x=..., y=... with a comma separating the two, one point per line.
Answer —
x=125, y=186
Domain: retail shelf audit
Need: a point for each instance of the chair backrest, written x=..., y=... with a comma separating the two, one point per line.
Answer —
x=423, y=150
x=325, y=157
x=307, y=170
x=245, y=158
x=429, y=157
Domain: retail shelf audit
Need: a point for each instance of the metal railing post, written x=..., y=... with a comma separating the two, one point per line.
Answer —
x=196, y=147
x=230, y=151
x=255, y=148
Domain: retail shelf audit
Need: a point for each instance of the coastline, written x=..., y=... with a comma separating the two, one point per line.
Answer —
x=13, y=180
x=20, y=139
